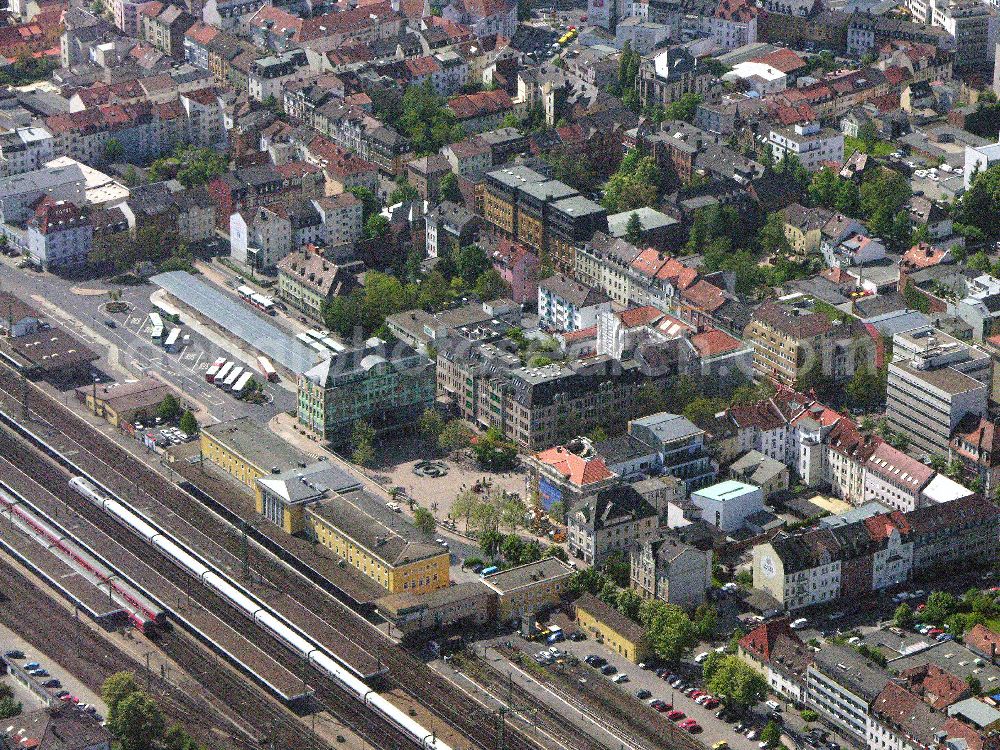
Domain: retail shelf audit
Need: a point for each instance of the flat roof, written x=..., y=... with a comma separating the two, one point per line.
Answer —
x=258, y=445
x=946, y=379
x=548, y=569
x=233, y=316
x=727, y=490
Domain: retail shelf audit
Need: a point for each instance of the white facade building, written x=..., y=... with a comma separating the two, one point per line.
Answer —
x=811, y=144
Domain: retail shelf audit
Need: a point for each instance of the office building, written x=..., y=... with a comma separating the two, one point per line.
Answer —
x=935, y=380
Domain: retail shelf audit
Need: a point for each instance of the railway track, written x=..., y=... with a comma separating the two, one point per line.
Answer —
x=119, y=470
x=374, y=730
x=88, y=656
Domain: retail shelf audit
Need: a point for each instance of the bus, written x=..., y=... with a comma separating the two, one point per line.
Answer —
x=315, y=335
x=156, y=327
x=213, y=369
x=245, y=292
x=223, y=373
x=240, y=385
x=263, y=303
x=267, y=370
x=232, y=377
x=172, y=344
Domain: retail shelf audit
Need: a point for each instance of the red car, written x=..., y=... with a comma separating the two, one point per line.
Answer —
x=711, y=703
x=675, y=715
x=696, y=694
x=660, y=706
x=690, y=725
x=934, y=632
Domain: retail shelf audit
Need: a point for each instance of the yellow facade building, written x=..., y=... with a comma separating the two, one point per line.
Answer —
x=395, y=563
x=609, y=626
x=248, y=451
x=529, y=589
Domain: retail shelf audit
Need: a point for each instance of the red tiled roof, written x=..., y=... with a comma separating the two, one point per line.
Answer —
x=582, y=334
x=980, y=638
x=713, y=342
x=785, y=60
x=923, y=255
x=466, y=106
x=761, y=639
x=938, y=688
x=704, y=296
x=739, y=11
x=577, y=470
x=899, y=468
x=201, y=33
x=639, y=316
x=421, y=66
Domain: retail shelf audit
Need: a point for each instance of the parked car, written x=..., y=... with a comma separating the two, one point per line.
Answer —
x=32, y=665
x=676, y=715
x=711, y=703
x=701, y=657
x=799, y=623
x=53, y=683
x=660, y=705
x=773, y=705
x=691, y=726
x=752, y=734
x=643, y=694
x=14, y=654
x=619, y=679
x=609, y=669
x=577, y=636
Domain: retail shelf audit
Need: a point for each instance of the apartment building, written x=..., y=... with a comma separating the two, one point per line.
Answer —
x=935, y=380
x=667, y=569
x=538, y=407
x=59, y=234
x=25, y=149
x=810, y=143
x=567, y=305
x=859, y=557
x=773, y=649
x=666, y=76
x=307, y=281
x=842, y=686
x=679, y=446
x=387, y=388
x=546, y=215
x=269, y=75
x=789, y=341
x=609, y=522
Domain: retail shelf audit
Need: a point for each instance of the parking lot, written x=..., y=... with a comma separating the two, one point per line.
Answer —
x=50, y=679
x=634, y=681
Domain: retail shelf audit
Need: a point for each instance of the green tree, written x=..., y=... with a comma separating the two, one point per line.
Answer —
x=684, y=108
x=363, y=453
x=376, y=227
x=175, y=738
x=865, y=388
x=706, y=619
x=430, y=424
x=472, y=261
x=742, y=685
x=771, y=735
x=188, y=423
x=557, y=512
x=464, y=506
x=137, y=722
x=455, y=435
x=113, y=150
x=486, y=517
x=427, y=121
x=974, y=684
x=424, y=521
x=650, y=399
x=939, y=606
x=634, y=185
x=168, y=408
x=669, y=630
x=772, y=236
x=512, y=510
x=616, y=567
x=628, y=602
x=633, y=229
x=449, y=189
x=903, y=617
x=403, y=192
x=493, y=452
x=557, y=551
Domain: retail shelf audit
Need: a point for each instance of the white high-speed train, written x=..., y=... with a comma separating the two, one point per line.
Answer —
x=295, y=639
